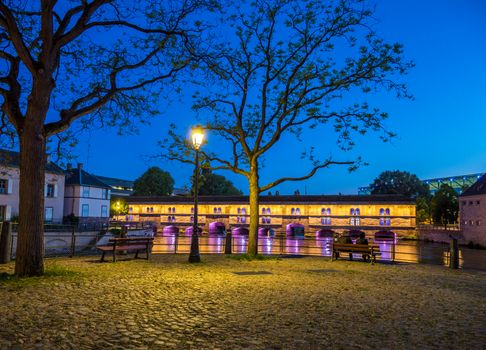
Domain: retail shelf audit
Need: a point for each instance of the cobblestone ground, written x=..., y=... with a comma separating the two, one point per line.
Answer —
x=308, y=303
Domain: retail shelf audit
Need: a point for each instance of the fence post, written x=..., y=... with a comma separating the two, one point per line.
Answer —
x=5, y=242
x=176, y=242
x=73, y=242
x=228, y=243
x=453, y=254
x=393, y=253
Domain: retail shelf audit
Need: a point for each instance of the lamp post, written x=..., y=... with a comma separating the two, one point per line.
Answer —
x=197, y=140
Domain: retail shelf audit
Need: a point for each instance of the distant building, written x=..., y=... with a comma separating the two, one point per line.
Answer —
x=86, y=197
x=335, y=214
x=472, y=212
x=459, y=183
x=119, y=187
x=10, y=184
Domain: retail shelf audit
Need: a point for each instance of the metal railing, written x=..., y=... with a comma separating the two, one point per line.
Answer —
x=81, y=243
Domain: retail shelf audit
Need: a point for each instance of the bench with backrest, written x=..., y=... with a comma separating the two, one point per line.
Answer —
x=129, y=244
x=369, y=252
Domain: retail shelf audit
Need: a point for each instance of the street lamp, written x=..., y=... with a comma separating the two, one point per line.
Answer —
x=197, y=136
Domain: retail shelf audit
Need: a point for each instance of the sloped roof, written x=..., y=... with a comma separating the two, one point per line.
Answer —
x=304, y=199
x=478, y=188
x=76, y=176
x=12, y=159
x=114, y=182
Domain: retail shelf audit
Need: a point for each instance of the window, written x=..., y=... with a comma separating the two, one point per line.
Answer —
x=3, y=186
x=464, y=202
x=104, y=211
x=478, y=202
x=85, y=210
x=385, y=217
x=243, y=218
x=326, y=220
x=104, y=193
x=3, y=213
x=148, y=210
x=215, y=210
x=470, y=202
x=130, y=209
x=151, y=209
x=297, y=211
x=50, y=189
x=354, y=220
x=48, y=214
x=173, y=210
x=85, y=191
x=478, y=222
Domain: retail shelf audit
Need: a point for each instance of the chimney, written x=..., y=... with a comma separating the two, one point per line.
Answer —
x=80, y=166
x=69, y=166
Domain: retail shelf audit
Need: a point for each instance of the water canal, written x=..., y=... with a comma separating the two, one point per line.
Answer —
x=391, y=250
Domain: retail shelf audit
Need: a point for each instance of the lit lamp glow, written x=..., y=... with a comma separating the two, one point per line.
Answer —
x=197, y=137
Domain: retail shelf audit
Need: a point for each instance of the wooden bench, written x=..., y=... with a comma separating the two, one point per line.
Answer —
x=369, y=251
x=129, y=244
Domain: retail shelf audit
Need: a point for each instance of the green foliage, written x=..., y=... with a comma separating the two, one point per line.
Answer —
x=118, y=206
x=154, y=182
x=250, y=257
x=406, y=184
x=423, y=214
x=400, y=182
x=216, y=185
x=445, y=206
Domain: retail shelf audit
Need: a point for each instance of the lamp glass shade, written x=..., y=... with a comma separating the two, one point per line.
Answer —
x=197, y=137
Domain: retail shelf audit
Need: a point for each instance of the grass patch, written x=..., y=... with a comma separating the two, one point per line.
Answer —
x=50, y=272
x=248, y=257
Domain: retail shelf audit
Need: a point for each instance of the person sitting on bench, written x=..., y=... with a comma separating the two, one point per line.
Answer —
x=362, y=240
x=345, y=240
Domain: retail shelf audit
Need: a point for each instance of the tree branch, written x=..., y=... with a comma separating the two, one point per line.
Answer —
x=326, y=164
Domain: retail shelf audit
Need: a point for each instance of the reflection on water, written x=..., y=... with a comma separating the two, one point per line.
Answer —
x=404, y=251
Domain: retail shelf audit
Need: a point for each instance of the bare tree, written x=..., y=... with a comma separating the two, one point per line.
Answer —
x=283, y=66
x=93, y=62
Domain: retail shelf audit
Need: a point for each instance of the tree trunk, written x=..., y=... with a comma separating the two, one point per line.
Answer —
x=30, y=243
x=29, y=259
x=254, y=210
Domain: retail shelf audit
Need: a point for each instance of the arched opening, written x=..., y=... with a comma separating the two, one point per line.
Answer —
x=190, y=230
x=385, y=236
x=217, y=228
x=325, y=233
x=170, y=230
x=266, y=231
x=295, y=229
x=240, y=231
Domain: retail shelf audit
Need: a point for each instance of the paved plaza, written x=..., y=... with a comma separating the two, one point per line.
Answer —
x=299, y=303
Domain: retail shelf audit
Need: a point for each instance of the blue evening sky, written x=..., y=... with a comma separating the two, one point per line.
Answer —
x=442, y=132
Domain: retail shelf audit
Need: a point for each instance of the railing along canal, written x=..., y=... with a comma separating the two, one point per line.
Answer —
x=76, y=243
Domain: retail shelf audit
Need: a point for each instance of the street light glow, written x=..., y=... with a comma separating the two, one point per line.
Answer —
x=197, y=136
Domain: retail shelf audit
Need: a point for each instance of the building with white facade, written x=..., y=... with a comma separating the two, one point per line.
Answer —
x=10, y=184
x=86, y=198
